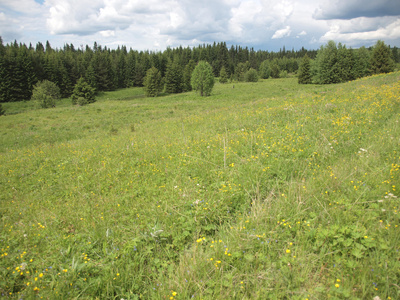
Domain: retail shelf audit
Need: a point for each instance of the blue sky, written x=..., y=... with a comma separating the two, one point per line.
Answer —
x=157, y=24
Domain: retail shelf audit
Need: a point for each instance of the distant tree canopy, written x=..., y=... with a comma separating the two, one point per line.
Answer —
x=22, y=66
x=335, y=63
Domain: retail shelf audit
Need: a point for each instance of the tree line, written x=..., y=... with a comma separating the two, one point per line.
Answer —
x=335, y=63
x=22, y=66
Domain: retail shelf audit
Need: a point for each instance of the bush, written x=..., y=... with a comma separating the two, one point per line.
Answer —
x=251, y=75
x=83, y=93
x=45, y=93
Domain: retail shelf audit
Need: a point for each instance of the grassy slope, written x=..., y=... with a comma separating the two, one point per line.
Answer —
x=261, y=190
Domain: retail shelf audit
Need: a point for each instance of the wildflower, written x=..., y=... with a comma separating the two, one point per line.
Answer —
x=337, y=285
x=287, y=251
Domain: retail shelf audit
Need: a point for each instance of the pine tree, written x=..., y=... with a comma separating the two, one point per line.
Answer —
x=304, y=76
x=152, y=82
x=203, y=78
x=381, y=61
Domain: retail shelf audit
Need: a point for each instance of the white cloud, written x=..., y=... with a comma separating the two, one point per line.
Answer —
x=282, y=33
x=390, y=32
x=154, y=24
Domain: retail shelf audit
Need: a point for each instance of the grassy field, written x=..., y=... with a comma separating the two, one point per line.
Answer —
x=268, y=190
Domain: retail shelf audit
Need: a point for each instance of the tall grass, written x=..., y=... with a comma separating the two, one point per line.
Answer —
x=262, y=190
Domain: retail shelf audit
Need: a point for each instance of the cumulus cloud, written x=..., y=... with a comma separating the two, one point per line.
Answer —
x=282, y=33
x=156, y=24
x=388, y=32
x=350, y=9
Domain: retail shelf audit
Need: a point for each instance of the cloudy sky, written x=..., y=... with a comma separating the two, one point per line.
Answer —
x=156, y=24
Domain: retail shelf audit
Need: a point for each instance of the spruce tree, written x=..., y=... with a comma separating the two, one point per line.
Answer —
x=152, y=82
x=187, y=75
x=304, y=76
x=173, y=78
x=223, y=76
x=83, y=93
x=381, y=61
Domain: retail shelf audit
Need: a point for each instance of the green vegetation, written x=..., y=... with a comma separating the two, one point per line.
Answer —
x=153, y=83
x=83, y=93
x=251, y=75
x=268, y=190
x=202, y=79
x=46, y=93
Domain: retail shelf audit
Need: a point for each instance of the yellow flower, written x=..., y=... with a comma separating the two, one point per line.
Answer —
x=174, y=294
x=338, y=280
x=287, y=251
x=337, y=285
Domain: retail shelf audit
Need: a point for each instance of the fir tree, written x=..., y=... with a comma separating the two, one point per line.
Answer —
x=381, y=61
x=173, y=78
x=304, y=76
x=152, y=82
x=223, y=76
x=187, y=75
x=83, y=93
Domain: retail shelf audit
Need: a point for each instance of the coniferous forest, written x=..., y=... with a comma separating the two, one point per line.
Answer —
x=22, y=66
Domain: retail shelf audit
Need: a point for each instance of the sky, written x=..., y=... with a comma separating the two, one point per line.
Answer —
x=158, y=24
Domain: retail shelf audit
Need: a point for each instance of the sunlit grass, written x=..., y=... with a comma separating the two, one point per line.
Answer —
x=265, y=189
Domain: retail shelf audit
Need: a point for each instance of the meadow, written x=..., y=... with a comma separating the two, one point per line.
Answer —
x=267, y=190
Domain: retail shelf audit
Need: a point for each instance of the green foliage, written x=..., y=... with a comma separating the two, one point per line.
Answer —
x=153, y=83
x=362, y=62
x=83, y=93
x=203, y=78
x=2, y=110
x=304, y=76
x=223, y=76
x=173, y=78
x=265, y=70
x=241, y=70
x=45, y=94
x=271, y=188
x=275, y=71
x=326, y=69
x=381, y=60
x=187, y=75
x=251, y=75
